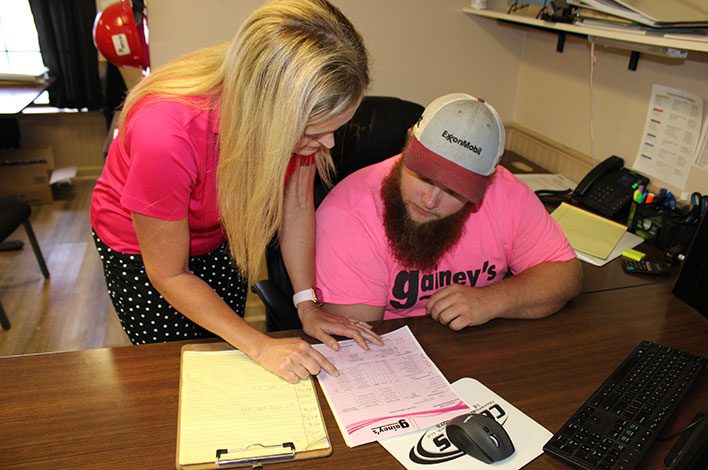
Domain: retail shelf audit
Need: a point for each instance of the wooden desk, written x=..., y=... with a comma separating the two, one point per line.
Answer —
x=612, y=276
x=15, y=97
x=117, y=408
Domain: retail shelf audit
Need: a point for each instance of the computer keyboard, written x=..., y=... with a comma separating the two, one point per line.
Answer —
x=616, y=426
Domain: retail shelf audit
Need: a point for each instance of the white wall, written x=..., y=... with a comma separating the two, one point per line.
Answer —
x=554, y=95
x=420, y=49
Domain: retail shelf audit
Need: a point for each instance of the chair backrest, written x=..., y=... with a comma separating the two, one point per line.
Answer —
x=376, y=132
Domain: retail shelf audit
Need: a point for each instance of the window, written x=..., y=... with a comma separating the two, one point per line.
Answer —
x=19, y=45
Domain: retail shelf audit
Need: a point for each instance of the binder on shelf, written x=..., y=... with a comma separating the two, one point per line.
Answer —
x=233, y=412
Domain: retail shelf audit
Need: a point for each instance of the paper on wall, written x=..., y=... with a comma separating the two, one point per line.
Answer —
x=671, y=134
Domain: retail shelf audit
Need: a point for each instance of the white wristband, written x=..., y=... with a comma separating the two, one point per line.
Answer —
x=312, y=294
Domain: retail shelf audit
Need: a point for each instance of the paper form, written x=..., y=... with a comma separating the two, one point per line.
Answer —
x=390, y=390
x=228, y=401
x=588, y=232
x=671, y=134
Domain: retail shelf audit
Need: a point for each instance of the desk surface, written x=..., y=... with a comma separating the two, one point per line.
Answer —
x=597, y=278
x=16, y=97
x=117, y=408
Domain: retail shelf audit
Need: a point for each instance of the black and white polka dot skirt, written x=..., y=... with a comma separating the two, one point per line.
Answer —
x=144, y=315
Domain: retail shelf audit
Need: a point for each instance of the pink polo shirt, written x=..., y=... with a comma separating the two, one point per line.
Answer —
x=164, y=167
x=510, y=232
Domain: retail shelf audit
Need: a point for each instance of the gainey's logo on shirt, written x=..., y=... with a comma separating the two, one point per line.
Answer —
x=409, y=286
x=453, y=139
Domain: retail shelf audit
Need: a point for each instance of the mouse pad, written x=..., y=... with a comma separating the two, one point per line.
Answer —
x=430, y=449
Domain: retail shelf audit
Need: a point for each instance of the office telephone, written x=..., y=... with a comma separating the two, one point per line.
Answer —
x=608, y=188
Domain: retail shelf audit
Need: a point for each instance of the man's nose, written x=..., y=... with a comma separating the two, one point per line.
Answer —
x=431, y=196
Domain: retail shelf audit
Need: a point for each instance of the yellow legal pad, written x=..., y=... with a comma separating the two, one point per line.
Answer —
x=233, y=412
x=588, y=232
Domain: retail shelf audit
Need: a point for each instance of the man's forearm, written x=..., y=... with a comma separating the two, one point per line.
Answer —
x=538, y=291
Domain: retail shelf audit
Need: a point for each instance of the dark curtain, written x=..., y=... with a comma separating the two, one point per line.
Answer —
x=114, y=90
x=65, y=35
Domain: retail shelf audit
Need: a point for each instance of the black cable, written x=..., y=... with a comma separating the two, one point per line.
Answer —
x=550, y=192
x=553, y=196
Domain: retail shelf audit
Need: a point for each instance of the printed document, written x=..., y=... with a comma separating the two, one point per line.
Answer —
x=671, y=135
x=388, y=391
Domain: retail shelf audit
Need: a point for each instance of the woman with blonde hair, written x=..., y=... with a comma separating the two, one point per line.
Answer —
x=217, y=153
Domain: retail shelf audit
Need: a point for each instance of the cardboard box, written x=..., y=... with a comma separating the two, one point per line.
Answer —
x=25, y=173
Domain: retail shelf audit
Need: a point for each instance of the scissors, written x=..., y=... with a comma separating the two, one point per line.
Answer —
x=699, y=203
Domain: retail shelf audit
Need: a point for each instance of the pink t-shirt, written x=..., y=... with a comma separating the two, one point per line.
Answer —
x=164, y=168
x=511, y=231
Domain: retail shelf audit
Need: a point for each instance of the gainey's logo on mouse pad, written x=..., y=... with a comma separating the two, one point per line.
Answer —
x=434, y=447
x=431, y=449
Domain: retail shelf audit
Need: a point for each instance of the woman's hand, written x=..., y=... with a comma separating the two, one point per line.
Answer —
x=320, y=325
x=293, y=359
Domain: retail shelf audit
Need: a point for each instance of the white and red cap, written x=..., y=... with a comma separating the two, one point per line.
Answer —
x=457, y=142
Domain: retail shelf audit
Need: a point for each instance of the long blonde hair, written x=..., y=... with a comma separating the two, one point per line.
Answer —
x=292, y=63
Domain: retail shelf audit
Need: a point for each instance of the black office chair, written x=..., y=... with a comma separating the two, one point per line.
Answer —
x=376, y=132
x=13, y=213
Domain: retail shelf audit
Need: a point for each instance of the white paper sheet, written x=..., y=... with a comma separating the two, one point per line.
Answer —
x=430, y=449
x=671, y=134
x=390, y=390
x=552, y=181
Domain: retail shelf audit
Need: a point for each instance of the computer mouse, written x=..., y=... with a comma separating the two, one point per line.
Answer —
x=479, y=436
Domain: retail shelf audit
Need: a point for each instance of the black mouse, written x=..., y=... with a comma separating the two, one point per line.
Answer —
x=479, y=436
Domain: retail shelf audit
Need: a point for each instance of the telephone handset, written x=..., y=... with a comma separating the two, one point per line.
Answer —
x=608, y=188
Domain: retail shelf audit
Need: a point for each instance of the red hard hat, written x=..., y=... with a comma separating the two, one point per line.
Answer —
x=117, y=36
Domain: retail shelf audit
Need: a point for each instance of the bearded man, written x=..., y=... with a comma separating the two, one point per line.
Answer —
x=441, y=229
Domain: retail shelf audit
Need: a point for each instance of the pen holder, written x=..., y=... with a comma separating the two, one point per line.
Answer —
x=660, y=225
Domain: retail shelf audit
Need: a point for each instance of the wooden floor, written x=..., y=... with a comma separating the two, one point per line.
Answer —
x=71, y=310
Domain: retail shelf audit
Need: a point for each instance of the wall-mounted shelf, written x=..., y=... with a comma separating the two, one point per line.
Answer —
x=617, y=34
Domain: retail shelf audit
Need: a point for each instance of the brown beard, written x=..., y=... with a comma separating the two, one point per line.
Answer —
x=417, y=245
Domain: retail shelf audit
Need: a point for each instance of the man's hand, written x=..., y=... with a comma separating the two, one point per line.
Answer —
x=458, y=306
x=320, y=325
x=293, y=359
x=535, y=293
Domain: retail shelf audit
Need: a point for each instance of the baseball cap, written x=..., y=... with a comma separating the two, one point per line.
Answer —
x=457, y=142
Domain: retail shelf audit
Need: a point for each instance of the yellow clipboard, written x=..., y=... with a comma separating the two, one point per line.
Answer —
x=233, y=412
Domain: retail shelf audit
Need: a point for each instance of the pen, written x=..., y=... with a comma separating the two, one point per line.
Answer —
x=661, y=196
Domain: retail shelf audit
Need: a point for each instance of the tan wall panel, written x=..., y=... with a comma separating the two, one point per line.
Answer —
x=554, y=96
x=77, y=138
x=420, y=49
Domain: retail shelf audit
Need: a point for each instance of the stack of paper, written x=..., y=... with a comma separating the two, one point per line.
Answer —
x=652, y=13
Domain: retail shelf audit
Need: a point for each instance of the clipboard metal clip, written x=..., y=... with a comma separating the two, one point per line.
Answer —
x=255, y=461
